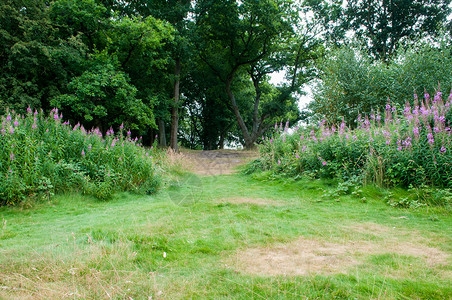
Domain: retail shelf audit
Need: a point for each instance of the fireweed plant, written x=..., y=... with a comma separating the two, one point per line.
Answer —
x=406, y=147
x=41, y=156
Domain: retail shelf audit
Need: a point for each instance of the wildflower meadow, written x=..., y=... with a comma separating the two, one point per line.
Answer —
x=406, y=147
x=43, y=155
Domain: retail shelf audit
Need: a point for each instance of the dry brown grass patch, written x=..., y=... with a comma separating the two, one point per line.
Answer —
x=94, y=272
x=306, y=256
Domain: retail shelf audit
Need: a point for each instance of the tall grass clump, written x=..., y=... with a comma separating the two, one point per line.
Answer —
x=405, y=147
x=41, y=156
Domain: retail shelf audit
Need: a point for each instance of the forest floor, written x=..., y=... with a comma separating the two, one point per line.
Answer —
x=215, y=233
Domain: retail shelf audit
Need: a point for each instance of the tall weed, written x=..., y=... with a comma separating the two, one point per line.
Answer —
x=41, y=156
x=407, y=147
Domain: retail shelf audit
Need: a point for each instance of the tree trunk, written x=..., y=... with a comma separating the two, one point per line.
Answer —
x=175, y=107
x=221, y=142
x=249, y=140
x=162, y=133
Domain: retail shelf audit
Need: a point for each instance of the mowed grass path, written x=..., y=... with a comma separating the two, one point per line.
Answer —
x=220, y=237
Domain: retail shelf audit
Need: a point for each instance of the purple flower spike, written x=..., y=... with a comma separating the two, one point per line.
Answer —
x=8, y=118
x=83, y=152
x=29, y=110
x=438, y=97
x=12, y=156
x=442, y=150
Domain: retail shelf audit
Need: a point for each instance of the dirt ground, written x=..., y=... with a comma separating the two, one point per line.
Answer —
x=218, y=162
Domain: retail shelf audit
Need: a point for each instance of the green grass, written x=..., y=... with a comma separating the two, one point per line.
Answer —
x=80, y=247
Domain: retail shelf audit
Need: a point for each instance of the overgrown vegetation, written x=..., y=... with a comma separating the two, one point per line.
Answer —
x=41, y=156
x=409, y=147
x=351, y=83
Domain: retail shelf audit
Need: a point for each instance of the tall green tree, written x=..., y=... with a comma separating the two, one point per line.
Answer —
x=103, y=97
x=381, y=26
x=35, y=63
x=136, y=49
x=175, y=12
x=235, y=38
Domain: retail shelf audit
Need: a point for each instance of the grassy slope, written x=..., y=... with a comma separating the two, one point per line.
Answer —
x=79, y=247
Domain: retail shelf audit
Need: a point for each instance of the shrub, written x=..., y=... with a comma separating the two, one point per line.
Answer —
x=352, y=84
x=41, y=156
x=400, y=147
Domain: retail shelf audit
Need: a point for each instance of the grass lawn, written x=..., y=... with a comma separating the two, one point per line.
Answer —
x=228, y=236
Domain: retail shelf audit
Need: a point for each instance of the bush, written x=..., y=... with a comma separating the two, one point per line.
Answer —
x=351, y=84
x=42, y=156
x=409, y=147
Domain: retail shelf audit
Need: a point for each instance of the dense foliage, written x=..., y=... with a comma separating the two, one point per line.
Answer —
x=104, y=63
x=41, y=156
x=398, y=147
x=351, y=84
x=381, y=27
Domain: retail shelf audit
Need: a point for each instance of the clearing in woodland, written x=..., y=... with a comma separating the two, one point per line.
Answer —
x=214, y=233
